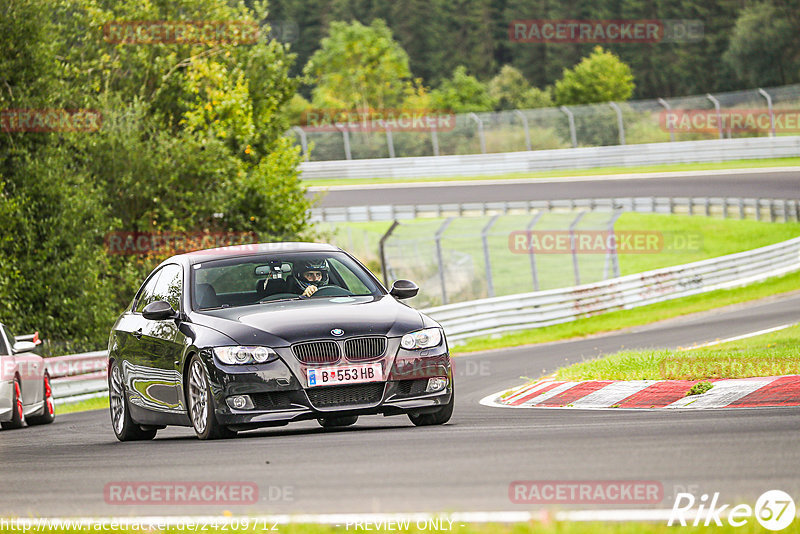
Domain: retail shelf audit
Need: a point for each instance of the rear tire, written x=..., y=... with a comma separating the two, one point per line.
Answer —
x=125, y=428
x=336, y=422
x=49, y=408
x=18, y=419
x=439, y=417
x=202, y=410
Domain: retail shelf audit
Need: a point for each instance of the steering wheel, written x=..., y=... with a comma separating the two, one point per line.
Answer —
x=332, y=291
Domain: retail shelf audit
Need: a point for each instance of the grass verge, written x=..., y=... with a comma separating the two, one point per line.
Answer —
x=556, y=527
x=621, y=319
x=675, y=167
x=83, y=406
x=775, y=353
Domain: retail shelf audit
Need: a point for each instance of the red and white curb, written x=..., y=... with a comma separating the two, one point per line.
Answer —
x=758, y=392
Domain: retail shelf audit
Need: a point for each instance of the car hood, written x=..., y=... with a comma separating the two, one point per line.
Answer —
x=283, y=323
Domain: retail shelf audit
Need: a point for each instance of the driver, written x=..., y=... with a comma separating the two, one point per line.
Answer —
x=311, y=275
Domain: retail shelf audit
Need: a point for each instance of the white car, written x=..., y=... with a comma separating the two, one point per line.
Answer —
x=25, y=392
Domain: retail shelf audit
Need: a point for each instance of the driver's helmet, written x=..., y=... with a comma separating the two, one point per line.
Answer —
x=312, y=272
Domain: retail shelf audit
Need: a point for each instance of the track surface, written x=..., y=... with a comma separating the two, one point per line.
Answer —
x=386, y=464
x=768, y=184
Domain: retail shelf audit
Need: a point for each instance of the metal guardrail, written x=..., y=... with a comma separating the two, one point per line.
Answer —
x=543, y=308
x=566, y=158
x=78, y=376
x=772, y=210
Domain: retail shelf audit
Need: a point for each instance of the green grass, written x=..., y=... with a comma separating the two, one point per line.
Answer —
x=549, y=527
x=621, y=319
x=676, y=167
x=83, y=406
x=410, y=250
x=775, y=353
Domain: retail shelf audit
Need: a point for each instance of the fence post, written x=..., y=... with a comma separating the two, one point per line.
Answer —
x=741, y=208
x=346, y=138
x=435, y=139
x=571, y=118
x=528, y=229
x=771, y=113
x=620, y=124
x=486, y=255
x=611, y=254
x=573, y=246
x=666, y=106
x=381, y=243
x=478, y=120
x=522, y=116
x=719, y=114
x=439, y=259
x=303, y=140
x=389, y=139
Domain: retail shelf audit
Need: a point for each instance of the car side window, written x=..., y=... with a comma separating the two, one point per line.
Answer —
x=170, y=286
x=146, y=293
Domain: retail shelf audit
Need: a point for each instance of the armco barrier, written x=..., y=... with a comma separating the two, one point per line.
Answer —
x=772, y=210
x=543, y=308
x=82, y=376
x=78, y=376
x=565, y=158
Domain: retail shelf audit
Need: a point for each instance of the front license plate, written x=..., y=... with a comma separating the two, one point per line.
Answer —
x=351, y=374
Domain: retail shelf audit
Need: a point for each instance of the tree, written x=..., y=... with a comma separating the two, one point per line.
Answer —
x=765, y=48
x=510, y=90
x=358, y=67
x=462, y=93
x=601, y=77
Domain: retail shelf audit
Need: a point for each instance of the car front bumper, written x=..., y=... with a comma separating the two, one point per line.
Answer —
x=278, y=397
x=6, y=400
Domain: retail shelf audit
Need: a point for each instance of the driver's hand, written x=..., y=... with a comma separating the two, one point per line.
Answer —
x=310, y=290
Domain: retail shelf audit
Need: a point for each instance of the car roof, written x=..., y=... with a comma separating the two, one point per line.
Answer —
x=254, y=249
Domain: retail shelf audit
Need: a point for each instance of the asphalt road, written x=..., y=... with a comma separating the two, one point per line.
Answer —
x=770, y=184
x=387, y=465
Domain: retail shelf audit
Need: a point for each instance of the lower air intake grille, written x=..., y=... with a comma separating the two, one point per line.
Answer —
x=271, y=401
x=328, y=397
x=364, y=348
x=317, y=352
x=412, y=387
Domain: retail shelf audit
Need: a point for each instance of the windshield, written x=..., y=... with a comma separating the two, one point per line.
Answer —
x=277, y=277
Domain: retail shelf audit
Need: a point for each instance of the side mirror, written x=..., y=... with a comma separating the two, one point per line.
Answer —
x=404, y=289
x=24, y=346
x=158, y=311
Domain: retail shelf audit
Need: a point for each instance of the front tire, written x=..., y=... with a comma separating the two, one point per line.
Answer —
x=202, y=409
x=18, y=420
x=337, y=422
x=49, y=409
x=439, y=417
x=125, y=428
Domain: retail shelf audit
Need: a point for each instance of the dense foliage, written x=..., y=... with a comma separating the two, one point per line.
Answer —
x=440, y=35
x=191, y=141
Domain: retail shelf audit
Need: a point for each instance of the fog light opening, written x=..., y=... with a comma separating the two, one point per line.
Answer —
x=240, y=402
x=436, y=384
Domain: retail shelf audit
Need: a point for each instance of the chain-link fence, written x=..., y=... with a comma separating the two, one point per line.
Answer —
x=752, y=113
x=460, y=259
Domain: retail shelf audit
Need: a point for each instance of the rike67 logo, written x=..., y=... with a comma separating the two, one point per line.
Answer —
x=774, y=510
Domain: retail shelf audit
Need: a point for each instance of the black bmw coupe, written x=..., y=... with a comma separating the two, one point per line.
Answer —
x=237, y=338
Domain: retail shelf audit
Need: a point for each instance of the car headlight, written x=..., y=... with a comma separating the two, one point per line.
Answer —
x=422, y=339
x=245, y=355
